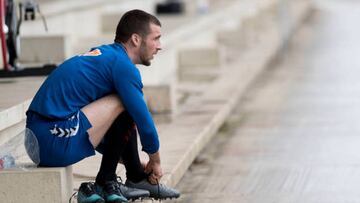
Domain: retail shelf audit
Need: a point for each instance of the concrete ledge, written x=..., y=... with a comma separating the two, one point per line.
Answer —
x=36, y=49
x=232, y=38
x=251, y=26
x=13, y=115
x=12, y=131
x=201, y=56
x=199, y=63
x=34, y=185
x=52, y=8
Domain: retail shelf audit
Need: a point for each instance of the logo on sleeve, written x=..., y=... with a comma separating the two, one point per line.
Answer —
x=95, y=52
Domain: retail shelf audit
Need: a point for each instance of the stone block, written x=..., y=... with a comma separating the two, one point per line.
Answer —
x=232, y=38
x=44, y=48
x=34, y=185
x=160, y=99
x=200, y=63
x=251, y=26
x=199, y=57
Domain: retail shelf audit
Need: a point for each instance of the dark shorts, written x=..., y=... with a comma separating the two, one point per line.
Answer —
x=59, y=142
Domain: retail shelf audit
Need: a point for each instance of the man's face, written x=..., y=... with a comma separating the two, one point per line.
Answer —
x=150, y=45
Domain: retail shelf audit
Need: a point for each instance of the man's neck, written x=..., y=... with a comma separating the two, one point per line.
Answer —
x=129, y=51
x=123, y=45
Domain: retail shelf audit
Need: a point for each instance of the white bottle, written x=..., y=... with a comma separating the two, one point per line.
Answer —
x=7, y=161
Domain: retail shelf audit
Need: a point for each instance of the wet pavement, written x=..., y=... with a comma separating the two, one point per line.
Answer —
x=295, y=136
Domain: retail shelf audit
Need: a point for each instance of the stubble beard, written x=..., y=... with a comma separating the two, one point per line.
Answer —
x=143, y=60
x=146, y=62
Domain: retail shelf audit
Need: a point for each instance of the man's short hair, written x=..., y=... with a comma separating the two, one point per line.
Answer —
x=134, y=22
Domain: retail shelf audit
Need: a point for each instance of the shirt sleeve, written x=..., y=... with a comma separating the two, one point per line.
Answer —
x=128, y=85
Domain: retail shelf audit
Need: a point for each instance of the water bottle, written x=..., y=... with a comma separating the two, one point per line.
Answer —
x=7, y=161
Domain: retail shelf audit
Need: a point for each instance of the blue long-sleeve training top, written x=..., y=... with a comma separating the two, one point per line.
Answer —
x=82, y=79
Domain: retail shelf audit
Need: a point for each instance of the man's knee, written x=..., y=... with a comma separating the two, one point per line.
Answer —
x=125, y=121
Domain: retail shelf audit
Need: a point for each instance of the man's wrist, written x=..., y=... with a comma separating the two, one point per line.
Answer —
x=155, y=157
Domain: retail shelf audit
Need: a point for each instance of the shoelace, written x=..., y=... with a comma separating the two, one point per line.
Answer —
x=74, y=195
x=115, y=187
x=90, y=188
x=120, y=183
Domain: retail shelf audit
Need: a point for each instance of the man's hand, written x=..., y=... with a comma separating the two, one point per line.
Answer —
x=153, y=168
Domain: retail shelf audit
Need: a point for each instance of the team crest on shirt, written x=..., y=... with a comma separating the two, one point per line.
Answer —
x=95, y=52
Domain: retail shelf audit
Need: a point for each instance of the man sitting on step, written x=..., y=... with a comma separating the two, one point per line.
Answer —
x=95, y=101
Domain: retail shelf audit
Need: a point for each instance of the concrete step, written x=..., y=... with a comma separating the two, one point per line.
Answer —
x=36, y=185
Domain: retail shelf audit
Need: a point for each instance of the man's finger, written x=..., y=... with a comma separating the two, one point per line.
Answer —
x=153, y=180
x=148, y=169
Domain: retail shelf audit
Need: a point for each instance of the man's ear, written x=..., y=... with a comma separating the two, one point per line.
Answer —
x=136, y=39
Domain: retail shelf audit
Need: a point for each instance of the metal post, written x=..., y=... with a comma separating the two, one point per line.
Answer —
x=2, y=35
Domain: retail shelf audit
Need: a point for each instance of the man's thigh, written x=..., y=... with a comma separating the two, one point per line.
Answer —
x=101, y=114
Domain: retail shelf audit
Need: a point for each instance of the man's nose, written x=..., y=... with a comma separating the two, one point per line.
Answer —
x=159, y=47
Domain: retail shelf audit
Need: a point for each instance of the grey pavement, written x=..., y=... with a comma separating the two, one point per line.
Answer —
x=295, y=136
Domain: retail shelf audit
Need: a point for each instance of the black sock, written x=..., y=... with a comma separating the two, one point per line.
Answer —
x=113, y=145
x=130, y=156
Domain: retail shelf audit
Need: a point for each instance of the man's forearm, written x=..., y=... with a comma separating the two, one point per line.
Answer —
x=154, y=168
